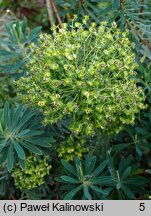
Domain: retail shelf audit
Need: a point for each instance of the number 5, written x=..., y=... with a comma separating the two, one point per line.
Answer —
x=142, y=206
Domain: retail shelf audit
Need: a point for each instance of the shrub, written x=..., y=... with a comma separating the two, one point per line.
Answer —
x=88, y=74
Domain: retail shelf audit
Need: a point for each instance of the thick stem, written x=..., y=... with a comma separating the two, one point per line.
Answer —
x=56, y=12
x=121, y=4
x=50, y=12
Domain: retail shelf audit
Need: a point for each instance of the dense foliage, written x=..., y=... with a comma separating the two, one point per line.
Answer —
x=122, y=182
x=14, y=47
x=20, y=130
x=75, y=100
x=32, y=176
x=88, y=74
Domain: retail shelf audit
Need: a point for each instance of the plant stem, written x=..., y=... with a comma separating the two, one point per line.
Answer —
x=121, y=4
x=56, y=12
x=50, y=12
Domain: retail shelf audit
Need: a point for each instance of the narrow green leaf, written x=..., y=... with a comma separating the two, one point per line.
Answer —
x=16, y=66
x=86, y=192
x=3, y=144
x=99, y=190
x=90, y=164
x=22, y=133
x=31, y=148
x=122, y=166
x=6, y=114
x=19, y=150
x=8, y=57
x=22, y=163
x=16, y=117
x=10, y=158
x=34, y=133
x=40, y=141
x=129, y=193
x=3, y=155
x=72, y=193
x=59, y=179
x=126, y=173
x=68, y=167
x=141, y=130
x=24, y=27
x=100, y=168
x=138, y=150
x=79, y=168
x=103, y=181
x=138, y=180
x=34, y=33
x=70, y=179
x=24, y=120
x=5, y=52
x=119, y=147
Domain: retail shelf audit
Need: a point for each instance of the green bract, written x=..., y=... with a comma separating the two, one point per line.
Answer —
x=32, y=176
x=71, y=148
x=86, y=73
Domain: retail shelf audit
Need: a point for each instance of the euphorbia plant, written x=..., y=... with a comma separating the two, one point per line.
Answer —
x=33, y=175
x=88, y=74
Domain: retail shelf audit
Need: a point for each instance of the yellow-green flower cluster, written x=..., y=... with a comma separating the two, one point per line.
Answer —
x=70, y=149
x=32, y=176
x=86, y=73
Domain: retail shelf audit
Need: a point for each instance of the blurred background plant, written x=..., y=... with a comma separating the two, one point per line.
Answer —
x=7, y=90
x=14, y=47
x=134, y=15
